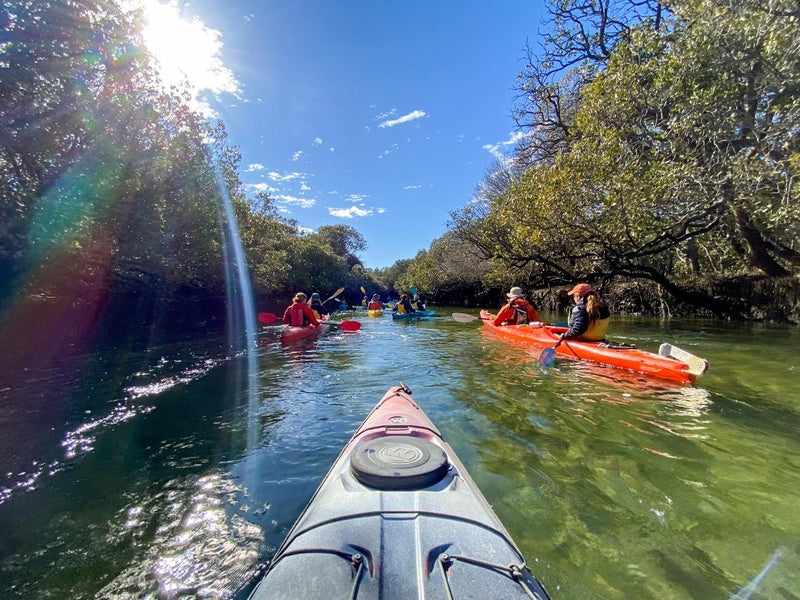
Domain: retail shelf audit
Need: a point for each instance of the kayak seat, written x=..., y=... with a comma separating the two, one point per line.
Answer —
x=398, y=462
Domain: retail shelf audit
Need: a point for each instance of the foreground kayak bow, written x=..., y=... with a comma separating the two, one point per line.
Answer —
x=398, y=517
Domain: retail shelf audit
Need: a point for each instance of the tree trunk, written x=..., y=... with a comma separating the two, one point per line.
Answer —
x=759, y=250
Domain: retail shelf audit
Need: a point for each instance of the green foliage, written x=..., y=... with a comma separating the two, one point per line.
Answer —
x=675, y=159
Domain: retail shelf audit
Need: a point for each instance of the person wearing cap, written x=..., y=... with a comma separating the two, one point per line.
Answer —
x=299, y=314
x=588, y=320
x=375, y=303
x=517, y=311
x=403, y=306
x=317, y=306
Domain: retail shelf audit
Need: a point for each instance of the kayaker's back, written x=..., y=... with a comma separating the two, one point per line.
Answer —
x=398, y=517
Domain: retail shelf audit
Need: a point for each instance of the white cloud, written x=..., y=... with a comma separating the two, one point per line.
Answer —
x=284, y=199
x=304, y=187
x=187, y=53
x=304, y=230
x=417, y=114
x=332, y=149
x=349, y=213
x=317, y=141
x=498, y=150
x=259, y=187
x=255, y=167
x=380, y=211
x=275, y=176
x=412, y=187
x=297, y=155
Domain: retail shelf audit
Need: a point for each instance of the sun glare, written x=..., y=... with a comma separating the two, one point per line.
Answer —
x=186, y=52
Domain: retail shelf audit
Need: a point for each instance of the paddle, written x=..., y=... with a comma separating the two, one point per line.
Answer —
x=270, y=319
x=336, y=293
x=465, y=318
x=547, y=357
x=413, y=291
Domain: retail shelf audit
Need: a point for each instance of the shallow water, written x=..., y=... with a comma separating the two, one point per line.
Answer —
x=156, y=474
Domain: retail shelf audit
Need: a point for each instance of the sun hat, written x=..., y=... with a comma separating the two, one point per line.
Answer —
x=299, y=297
x=580, y=290
x=515, y=292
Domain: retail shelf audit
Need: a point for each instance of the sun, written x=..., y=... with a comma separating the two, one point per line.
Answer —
x=186, y=52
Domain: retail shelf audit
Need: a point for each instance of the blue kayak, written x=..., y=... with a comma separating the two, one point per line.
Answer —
x=398, y=518
x=418, y=314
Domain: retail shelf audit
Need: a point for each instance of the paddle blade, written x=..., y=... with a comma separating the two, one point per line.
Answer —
x=413, y=290
x=363, y=291
x=267, y=318
x=547, y=357
x=350, y=325
x=336, y=293
x=465, y=318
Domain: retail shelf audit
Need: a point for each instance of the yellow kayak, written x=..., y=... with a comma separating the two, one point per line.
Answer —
x=375, y=313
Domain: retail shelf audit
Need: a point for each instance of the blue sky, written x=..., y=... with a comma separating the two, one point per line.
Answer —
x=382, y=116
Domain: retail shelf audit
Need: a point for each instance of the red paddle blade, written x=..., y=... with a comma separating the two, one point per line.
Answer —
x=350, y=325
x=267, y=318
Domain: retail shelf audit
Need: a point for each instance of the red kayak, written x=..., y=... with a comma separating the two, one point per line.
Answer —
x=633, y=359
x=291, y=334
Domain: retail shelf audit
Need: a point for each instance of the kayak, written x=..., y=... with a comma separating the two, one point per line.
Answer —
x=290, y=334
x=398, y=517
x=606, y=353
x=415, y=315
x=375, y=313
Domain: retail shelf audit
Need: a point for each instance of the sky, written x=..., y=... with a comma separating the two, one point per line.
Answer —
x=383, y=116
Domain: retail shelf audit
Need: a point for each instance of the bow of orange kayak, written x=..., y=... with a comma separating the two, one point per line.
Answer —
x=398, y=517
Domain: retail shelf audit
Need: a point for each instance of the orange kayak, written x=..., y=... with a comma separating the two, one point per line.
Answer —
x=545, y=336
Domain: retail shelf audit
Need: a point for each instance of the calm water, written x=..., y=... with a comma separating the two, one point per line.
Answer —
x=162, y=474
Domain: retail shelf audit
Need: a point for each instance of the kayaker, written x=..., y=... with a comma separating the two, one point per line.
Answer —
x=589, y=318
x=364, y=300
x=417, y=303
x=299, y=314
x=517, y=311
x=375, y=303
x=403, y=306
x=317, y=306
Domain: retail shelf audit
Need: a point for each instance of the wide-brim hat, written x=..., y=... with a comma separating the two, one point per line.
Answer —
x=515, y=292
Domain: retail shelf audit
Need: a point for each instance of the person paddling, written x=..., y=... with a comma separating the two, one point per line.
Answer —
x=589, y=318
x=299, y=314
x=317, y=306
x=517, y=311
x=403, y=306
x=375, y=303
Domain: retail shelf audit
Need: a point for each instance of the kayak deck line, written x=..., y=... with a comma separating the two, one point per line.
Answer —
x=398, y=517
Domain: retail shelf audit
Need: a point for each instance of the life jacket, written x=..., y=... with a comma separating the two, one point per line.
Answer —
x=317, y=313
x=520, y=314
x=597, y=330
x=375, y=305
x=298, y=315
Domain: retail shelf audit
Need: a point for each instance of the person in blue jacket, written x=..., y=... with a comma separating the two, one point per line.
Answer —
x=588, y=320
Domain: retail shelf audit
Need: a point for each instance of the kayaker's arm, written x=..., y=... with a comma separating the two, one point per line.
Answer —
x=578, y=323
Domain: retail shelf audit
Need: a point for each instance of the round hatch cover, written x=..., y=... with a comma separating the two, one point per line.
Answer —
x=398, y=462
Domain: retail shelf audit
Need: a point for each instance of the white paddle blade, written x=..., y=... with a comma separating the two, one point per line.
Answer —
x=465, y=318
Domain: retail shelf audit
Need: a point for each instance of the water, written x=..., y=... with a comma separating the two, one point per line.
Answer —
x=156, y=475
